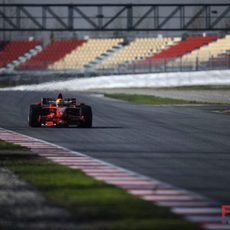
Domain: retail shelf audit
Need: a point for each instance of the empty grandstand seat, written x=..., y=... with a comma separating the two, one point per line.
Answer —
x=84, y=55
x=51, y=54
x=183, y=47
x=210, y=51
x=136, y=50
x=14, y=49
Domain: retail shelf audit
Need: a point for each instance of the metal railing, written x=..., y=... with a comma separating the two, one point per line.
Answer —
x=38, y=75
x=141, y=66
x=166, y=65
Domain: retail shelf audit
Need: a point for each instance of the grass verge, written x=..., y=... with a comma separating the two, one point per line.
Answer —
x=199, y=87
x=92, y=202
x=9, y=146
x=153, y=100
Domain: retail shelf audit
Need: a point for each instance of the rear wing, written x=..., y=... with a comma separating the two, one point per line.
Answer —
x=67, y=101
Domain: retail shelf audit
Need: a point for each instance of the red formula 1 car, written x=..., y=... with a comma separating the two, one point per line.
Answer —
x=60, y=113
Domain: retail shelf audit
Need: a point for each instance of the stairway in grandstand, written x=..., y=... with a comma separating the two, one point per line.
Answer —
x=182, y=48
x=84, y=56
x=52, y=53
x=98, y=60
x=137, y=50
x=14, y=53
x=206, y=53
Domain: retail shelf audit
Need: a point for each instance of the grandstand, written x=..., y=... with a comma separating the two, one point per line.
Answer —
x=110, y=53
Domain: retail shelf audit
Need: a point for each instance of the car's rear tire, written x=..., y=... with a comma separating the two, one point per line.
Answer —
x=35, y=111
x=86, y=111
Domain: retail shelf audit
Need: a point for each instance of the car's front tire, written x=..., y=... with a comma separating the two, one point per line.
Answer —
x=34, y=113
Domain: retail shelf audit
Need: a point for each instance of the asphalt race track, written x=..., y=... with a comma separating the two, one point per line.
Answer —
x=185, y=146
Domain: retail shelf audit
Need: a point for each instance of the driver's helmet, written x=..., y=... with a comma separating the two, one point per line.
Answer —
x=59, y=102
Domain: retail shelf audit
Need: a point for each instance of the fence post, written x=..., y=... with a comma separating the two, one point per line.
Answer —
x=228, y=60
x=165, y=68
x=210, y=62
x=134, y=67
x=149, y=65
x=197, y=63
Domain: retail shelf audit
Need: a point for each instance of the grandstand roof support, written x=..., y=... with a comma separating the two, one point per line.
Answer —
x=224, y=13
x=147, y=13
x=114, y=17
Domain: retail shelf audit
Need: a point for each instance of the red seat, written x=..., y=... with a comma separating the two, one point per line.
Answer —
x=14, y=49
x=182, y=48
x=50, y=54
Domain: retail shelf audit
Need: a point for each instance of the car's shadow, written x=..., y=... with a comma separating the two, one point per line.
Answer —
x=73, y=127
x=96, y=127
x=107, y=127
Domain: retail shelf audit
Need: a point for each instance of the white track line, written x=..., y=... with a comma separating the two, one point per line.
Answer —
x=193, y=207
